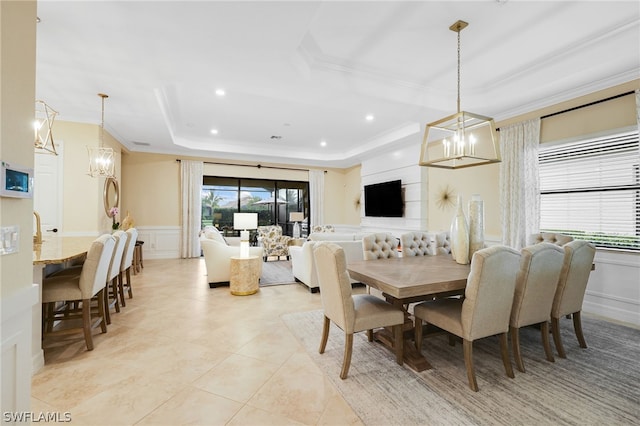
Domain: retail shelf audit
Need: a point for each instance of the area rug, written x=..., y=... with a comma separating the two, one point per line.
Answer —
x=276, y=272
x=594, y=386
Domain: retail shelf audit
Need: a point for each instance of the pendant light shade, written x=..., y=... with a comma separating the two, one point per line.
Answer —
x=43, y=126
x=101, y=158
x=465, y=139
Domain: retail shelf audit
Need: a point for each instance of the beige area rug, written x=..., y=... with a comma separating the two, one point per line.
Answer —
x=276, y=272
x=599, y=385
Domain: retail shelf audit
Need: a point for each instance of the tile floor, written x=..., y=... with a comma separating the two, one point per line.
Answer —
x=182, y=353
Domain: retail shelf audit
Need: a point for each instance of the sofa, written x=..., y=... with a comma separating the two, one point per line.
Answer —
x=217, y=256
x=303, y=263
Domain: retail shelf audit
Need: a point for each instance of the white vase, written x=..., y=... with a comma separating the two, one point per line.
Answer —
x=459, y=234
x=476, y=224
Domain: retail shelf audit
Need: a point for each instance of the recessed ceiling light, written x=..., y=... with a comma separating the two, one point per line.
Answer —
x=323, y=143
x=220, y=92
x=369, y=117
x=214, y=131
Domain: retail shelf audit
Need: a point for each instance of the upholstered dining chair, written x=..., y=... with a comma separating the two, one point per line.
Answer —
x=417, y=244
x=351, y=313
x=549, y=237
x=536, y=284
x=443, y=243
x=379, y=246
x=125, y=266
x=112, y=288
x=576, y=268
x=90, y=283
x=484, y=311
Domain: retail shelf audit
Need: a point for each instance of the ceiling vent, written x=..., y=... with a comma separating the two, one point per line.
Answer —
x=141, y=143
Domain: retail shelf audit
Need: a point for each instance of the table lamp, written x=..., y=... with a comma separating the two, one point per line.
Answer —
x=243, y=222
x=296, y=217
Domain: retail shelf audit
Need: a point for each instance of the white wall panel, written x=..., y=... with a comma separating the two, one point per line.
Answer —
x=160, y=242
x=15, y=349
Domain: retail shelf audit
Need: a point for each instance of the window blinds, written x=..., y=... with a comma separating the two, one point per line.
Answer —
x=590, y=189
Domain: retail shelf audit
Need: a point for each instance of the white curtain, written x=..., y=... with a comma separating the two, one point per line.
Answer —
x=519, y=182
x=638, y=108
x=316, y=197
x=191, y=207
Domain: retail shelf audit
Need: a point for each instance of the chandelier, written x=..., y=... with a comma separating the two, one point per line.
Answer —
x=466, y=139
x=42, y=126
x=101, y=159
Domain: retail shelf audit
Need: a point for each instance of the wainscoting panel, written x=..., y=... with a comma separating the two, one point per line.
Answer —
x=160, y=242
x=15, y=348
x=614, y=286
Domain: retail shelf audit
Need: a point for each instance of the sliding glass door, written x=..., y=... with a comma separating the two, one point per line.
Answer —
x=272, y=200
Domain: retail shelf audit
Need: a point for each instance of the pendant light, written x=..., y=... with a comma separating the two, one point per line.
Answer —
x=466, y=139
x=42, y=126
x=101, y=158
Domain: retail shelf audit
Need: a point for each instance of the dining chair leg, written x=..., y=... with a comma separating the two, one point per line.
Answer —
x=398, y=343
x=348, y=350
x=86, y=323
x=105, y=302
x=325, y=334
x=417, y=333
x=129, y=287
x=515, y=344
x=370, y=335
x=101, y=310
x=504, y=351
x=467, y=346
x=114, y=289
x=121, y=288
x=577, y=327
x=452, y=340
x=544, y=332
x=557, y=339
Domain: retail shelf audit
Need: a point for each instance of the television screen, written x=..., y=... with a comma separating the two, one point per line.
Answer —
x=384, y=199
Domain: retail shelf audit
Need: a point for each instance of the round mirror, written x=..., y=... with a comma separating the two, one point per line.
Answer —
x=111, y=194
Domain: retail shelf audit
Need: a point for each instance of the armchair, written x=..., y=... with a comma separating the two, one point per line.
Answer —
x=217, y=257
x=273, y=242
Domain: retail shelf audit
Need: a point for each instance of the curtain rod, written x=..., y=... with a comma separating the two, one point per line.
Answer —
x=259, y=166
x=610, y=98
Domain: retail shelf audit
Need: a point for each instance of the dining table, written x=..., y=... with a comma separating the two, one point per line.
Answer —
x=406, y=280
x=55, y=252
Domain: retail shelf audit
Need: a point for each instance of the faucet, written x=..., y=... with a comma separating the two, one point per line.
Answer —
x=37, y=239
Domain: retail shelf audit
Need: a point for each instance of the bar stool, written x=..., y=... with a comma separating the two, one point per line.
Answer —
x=137, y=257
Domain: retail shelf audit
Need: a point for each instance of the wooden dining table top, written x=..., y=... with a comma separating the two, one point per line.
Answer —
x=412, y=277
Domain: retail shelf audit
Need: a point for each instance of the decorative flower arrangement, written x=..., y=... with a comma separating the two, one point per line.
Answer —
x=113, y=212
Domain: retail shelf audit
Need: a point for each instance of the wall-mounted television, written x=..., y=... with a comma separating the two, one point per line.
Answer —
x=384, y=199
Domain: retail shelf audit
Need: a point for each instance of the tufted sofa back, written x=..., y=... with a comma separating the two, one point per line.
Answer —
x=379, y=246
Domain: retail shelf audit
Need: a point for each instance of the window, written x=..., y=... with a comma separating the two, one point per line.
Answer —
x=590, y=190
x=273, y=200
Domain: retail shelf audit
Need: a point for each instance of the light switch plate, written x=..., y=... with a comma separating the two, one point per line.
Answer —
x=9, y=239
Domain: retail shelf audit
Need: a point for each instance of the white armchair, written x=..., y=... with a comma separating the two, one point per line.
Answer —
x=217, y=257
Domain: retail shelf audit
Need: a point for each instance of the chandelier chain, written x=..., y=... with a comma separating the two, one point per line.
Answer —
x=458, y=71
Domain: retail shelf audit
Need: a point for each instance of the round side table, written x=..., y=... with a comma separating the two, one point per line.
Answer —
x=245, y=276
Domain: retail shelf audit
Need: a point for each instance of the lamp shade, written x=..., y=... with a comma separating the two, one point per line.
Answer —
x=296, y=216
x=245, y=221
